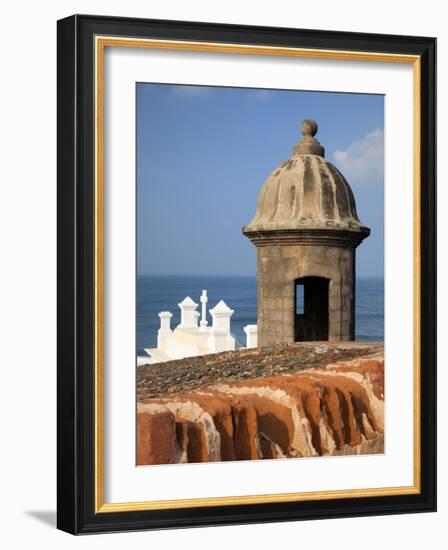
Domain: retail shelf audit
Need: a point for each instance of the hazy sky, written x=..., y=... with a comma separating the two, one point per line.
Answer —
x=203, y=154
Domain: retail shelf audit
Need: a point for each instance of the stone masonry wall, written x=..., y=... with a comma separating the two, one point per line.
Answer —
x=278, y=267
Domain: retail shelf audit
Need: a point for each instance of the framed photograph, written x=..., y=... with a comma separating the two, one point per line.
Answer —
x=246, y=274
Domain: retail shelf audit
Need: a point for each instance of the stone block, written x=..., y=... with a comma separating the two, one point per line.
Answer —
x=276, y=315
x=156, y=438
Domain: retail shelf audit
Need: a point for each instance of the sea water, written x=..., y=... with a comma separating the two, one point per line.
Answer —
x=157, y=293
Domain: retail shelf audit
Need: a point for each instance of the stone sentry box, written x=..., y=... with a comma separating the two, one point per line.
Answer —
x=306, y=230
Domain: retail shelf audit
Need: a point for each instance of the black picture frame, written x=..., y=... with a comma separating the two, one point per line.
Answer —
x=76, y=254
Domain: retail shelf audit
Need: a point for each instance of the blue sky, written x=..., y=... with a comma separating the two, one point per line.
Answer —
x=203, y=154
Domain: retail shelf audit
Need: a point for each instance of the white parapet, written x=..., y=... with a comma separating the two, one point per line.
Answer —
x=165, y=328
x=191, y=338
x=251, y=336
x=188, y=314
x=220, y=340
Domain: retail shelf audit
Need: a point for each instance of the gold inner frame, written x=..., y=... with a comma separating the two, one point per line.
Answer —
x=101, y=42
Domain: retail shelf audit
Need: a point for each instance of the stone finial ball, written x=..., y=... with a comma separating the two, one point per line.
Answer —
x=309, y=127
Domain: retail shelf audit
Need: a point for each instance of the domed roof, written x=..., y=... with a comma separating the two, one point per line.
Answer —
x=306, y=192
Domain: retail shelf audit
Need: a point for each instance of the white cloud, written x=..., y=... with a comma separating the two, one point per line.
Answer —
x=190, y=91
x=363, y=161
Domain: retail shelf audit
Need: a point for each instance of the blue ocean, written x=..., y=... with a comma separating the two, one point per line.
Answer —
x=163, y=293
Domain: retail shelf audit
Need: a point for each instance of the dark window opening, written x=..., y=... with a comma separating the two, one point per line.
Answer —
x=311, y=309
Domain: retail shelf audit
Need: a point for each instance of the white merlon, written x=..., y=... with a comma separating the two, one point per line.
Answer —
x=251, y=336
x=165, y=320
x=204, y=300
x=221, y=316
x=220, y=337
x=188, y=313
x=189, y=340
x=165, y=327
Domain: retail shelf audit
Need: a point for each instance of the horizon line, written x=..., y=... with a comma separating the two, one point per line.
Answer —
x=229, y=275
